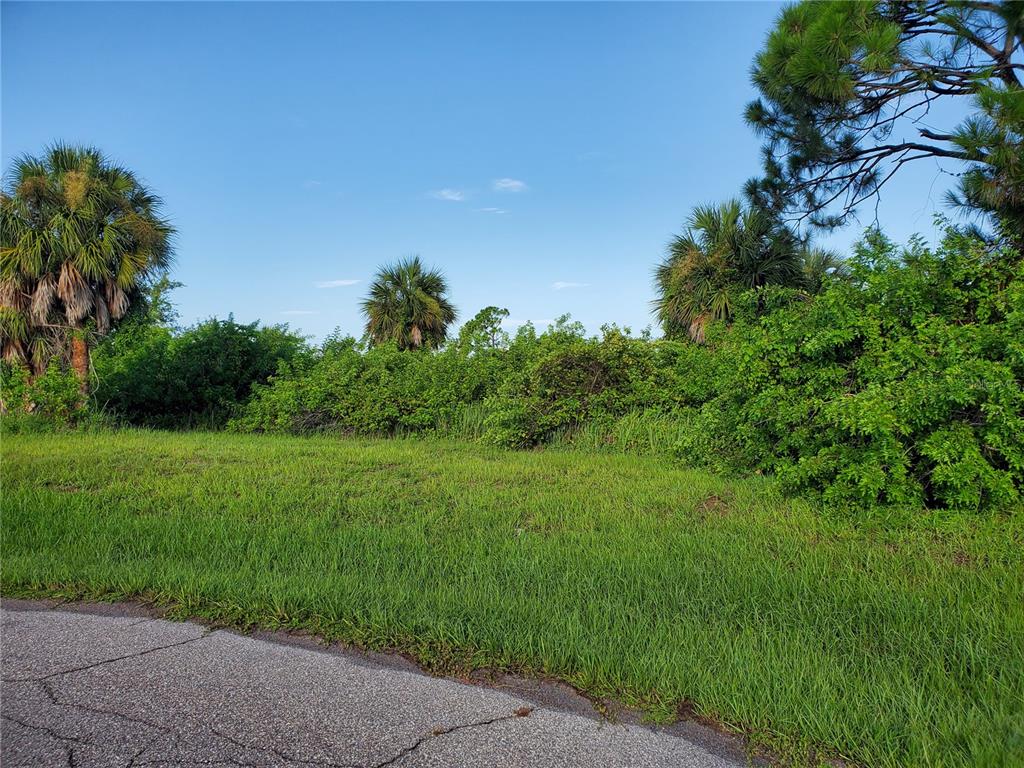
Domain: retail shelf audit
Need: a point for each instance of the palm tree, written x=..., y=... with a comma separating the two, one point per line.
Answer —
x=819, y=266
x=725, y=249
x=407, y=305
x=79, y=239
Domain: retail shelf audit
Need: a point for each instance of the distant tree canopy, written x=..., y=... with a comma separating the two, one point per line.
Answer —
x=408, y=305
x=483, y=332
x=80, y=240
x=846, y=93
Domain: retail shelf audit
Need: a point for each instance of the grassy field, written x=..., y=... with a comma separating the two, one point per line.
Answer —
x=898, y=642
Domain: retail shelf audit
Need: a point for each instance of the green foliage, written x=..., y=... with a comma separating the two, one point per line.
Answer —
x=44, y=402
x=483, y=333
x=373, y=390
x=994, y=140
x=80, y=238
x=408, y=306
x=149, y=375
x=847, y=91
x=511, y=392
x=900, y=387
x=568, y=379
x=725, y=250
x=818, y=267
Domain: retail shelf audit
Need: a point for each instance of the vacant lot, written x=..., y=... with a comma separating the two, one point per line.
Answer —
x=891, y=642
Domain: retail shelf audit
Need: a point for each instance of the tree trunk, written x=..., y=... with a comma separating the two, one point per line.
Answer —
x=80, y=360
x=37, y=369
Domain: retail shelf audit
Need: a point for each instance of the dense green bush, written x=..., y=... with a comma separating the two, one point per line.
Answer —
x=902, y=386
x=44, y=402
x=513, y=392
x=568, y=380
x=352, y=387
x=377, y=390
x=146, y=374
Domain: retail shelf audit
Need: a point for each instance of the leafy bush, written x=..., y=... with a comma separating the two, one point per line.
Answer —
x=568, y=380
x=512, y=392
x=378, y=390
x=348, y=386
x=901, y=387
x=149, y=375
x=39, y=404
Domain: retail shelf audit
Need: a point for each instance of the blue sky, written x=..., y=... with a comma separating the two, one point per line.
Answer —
x=541, y=154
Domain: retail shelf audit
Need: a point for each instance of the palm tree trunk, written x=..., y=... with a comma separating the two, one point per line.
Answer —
x=80, y=359
x=36, y=369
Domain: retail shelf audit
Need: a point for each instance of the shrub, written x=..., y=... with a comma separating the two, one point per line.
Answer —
x=380, y=390
x=149, y=375
x=568, y=380
x=42, y=403
x=901, y=387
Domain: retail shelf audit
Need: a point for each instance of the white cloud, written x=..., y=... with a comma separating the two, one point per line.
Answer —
x=492, y=210
x=298, y=312
x=561, y=285
x=335, y=283
x=312, y=183
x=453, y=195
x=508, y=185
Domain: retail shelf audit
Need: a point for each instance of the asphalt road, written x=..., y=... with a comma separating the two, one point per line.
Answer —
x=112, y=686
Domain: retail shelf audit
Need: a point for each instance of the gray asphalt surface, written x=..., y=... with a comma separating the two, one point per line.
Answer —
x=96, y=686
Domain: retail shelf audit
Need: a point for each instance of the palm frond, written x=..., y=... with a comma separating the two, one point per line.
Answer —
x=406, y=304
x=75, y=293
x=43, y=298
x=723, y=247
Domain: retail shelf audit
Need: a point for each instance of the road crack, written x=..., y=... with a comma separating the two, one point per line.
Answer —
x=136, y=760
x=84, y=667
x=280, y=754
x=521, y=712
x=52, y=696
x=48, y=731
x=67, y=742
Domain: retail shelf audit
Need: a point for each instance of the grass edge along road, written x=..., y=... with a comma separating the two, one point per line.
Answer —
x=887, y=643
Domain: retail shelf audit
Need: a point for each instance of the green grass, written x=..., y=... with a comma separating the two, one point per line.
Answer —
x=897, y=642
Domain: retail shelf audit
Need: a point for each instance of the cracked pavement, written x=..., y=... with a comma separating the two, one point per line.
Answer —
x=103, y=689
